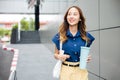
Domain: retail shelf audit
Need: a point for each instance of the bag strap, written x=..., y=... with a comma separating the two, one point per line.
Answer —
x=86, y=43
x=61, y=51
x=60, y=42
x=60, y=45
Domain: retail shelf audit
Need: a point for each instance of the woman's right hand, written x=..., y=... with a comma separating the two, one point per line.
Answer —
x=59, y=56
x=63, y=57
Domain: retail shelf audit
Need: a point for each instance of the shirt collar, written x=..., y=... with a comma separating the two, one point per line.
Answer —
x=70, y=35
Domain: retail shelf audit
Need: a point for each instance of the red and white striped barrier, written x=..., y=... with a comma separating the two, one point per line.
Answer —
x=14, y=60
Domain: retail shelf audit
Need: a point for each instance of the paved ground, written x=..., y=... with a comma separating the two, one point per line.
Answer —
x=35, y=62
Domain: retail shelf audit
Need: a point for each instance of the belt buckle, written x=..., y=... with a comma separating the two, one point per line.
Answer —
x=68, y=64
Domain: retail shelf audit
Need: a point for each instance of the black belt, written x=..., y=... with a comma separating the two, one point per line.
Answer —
x=70, y=65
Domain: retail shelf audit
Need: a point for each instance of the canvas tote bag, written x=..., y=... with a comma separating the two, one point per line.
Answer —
x=57, y=67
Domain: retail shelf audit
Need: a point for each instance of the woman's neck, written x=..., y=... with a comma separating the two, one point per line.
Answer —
x=73, y=30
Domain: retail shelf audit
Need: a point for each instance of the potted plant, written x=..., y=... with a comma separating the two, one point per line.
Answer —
x=14, y=34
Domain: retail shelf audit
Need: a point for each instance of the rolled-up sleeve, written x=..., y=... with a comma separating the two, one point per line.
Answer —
x=91, y=39
x=55, y=40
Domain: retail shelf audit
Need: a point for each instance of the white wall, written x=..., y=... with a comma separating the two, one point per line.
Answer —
x=15, y=6
x=103, y=21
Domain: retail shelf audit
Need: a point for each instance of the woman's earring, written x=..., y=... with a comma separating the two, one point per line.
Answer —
x=80, y=20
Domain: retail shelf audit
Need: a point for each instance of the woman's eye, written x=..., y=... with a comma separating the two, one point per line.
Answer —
x=75, y=14
x=69, y=14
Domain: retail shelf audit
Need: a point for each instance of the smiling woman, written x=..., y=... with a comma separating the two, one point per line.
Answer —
x=72, y=33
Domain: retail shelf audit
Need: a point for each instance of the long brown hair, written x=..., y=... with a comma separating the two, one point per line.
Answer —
x=65, y=26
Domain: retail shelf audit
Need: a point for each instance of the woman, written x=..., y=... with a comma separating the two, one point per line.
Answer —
x=72, y=33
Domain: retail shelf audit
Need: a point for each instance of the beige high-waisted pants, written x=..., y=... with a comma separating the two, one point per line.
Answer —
x=73, y=73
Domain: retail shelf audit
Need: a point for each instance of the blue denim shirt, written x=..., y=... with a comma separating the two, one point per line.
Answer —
x=72, y=45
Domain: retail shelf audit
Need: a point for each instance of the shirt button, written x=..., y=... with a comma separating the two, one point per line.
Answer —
x=75, y=44
x=76, y=60
x=73, y=38
x=75, y=52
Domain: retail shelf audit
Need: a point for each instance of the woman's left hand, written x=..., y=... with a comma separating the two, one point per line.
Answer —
x=89, y=58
